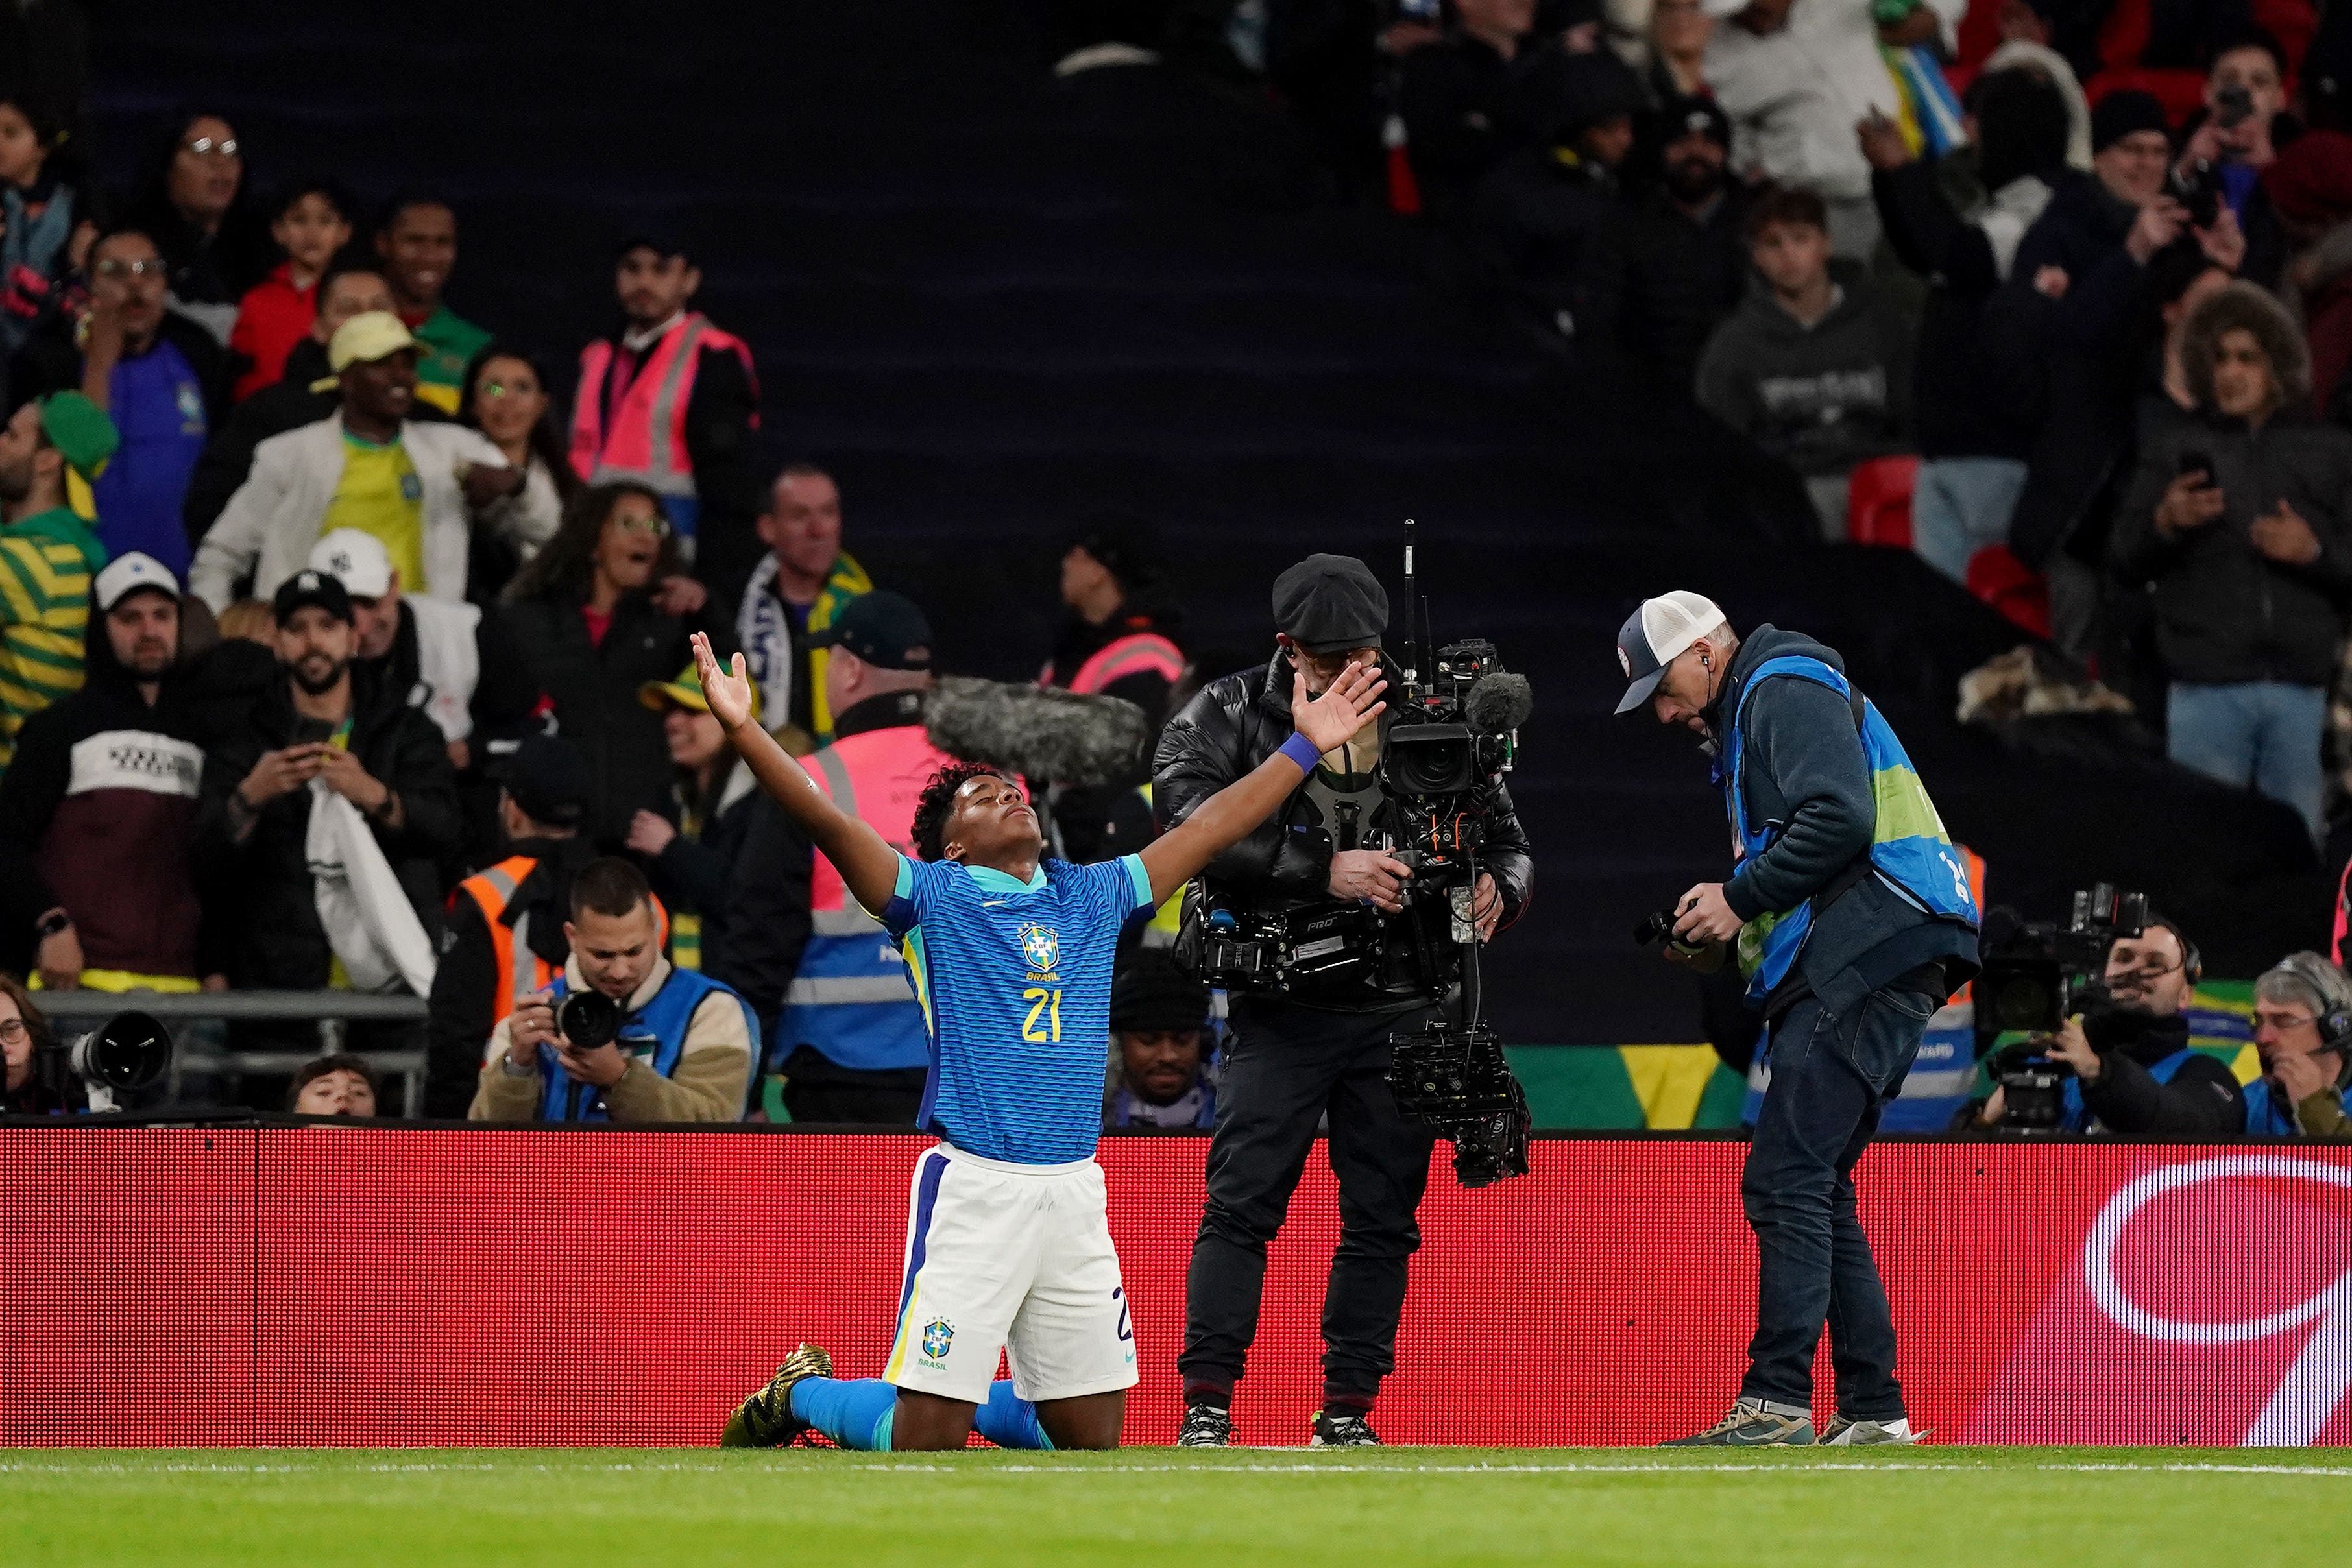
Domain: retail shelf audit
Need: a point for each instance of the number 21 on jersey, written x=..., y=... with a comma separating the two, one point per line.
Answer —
x=1044, y=1024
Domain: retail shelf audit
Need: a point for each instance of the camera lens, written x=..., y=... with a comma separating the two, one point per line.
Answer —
x=588, y=1019
x=129, y=1050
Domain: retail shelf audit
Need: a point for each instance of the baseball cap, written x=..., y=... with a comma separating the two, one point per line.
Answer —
x=83, y=433
x=127, y=574
x=311, y=587
x=1722, y=10
x=1151, y=994
x=885, y=629
x=359, y=559
x=1654, y=633
x=549, y=779
x=1331, y=603
x=686, y=692
x=370, y=336
x=1694, y=114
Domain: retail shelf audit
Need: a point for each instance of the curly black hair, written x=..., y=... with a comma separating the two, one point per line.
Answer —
x=938, y=800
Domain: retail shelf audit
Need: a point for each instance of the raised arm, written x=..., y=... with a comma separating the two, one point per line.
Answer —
x=868, y=864
x=1225, y=817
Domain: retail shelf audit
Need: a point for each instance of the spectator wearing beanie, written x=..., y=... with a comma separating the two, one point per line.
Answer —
x=1973, y=433
x=1161, y=1074
x=1688, y=265
x=2310, y=189
x=2086, y=221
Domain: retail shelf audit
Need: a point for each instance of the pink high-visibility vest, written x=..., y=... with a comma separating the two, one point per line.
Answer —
x=1141, y=654
x=648, y=441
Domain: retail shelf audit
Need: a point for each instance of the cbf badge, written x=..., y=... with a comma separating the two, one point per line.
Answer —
x=937, y=1335
x=410, y=487
x=1042, y=946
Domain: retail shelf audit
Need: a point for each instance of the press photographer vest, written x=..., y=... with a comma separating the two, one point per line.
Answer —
x=1909, y=849
x=2076, y=1117
x=851, y=1001
x=520, y=971
x=655, y=1034
x=2270, y=1116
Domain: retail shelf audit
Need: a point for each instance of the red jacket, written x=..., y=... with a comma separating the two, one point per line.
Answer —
x=271, y=318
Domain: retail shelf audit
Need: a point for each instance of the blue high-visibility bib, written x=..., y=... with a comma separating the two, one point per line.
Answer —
x=655, y=1034
x=1909, y=848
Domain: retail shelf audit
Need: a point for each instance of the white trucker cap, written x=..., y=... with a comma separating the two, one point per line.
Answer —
x=1654, y=634
x=358, y=558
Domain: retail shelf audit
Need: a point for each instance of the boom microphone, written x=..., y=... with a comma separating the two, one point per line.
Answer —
x=1041, y=732
x=1499, y=703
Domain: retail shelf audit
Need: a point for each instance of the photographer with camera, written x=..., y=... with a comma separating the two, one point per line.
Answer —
x=2132, y=1072
x=1851, y=914
x=624, y=1036
x=1321, y=1047
x=2303, y=1028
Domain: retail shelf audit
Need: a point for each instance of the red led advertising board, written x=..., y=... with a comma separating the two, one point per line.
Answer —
x=354, y=1285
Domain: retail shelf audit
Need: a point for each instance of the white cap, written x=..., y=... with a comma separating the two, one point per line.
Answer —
x=1722, y=10
x=1654, y=634
x=128, y=574
x=357, y=559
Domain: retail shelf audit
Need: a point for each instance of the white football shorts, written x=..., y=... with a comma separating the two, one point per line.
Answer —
x=1013, y=1258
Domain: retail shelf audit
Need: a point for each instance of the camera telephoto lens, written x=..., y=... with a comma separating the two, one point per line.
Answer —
x=588, y=1019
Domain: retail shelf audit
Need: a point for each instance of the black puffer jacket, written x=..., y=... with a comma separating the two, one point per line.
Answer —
x=2225, y=612
x=1233, y=724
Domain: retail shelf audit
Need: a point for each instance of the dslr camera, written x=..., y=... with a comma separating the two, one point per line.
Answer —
x=123, y=1055
x=2036, y=975
x=588, y=1019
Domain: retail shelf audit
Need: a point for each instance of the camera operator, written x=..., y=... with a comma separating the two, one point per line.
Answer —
x=2302, y=1028
x=1322, y=1049
x=681, y=1050
x=1853, y=921
x=2133, y=1074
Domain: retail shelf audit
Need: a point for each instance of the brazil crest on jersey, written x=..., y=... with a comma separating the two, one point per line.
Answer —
x=1014, y=980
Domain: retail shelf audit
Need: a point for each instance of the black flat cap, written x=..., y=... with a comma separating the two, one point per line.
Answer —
x=1329, y=604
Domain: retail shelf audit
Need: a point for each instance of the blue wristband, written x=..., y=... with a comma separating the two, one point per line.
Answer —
x=1301, y=750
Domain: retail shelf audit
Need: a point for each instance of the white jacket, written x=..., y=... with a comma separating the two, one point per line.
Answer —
x=1794, y=96
x=276, y=515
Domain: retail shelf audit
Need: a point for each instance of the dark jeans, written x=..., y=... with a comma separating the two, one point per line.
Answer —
x=823, y=1094
x=1832, y=1077
x=1285, y=1069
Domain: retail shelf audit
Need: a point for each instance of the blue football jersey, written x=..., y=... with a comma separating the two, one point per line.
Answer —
x=1014, y=981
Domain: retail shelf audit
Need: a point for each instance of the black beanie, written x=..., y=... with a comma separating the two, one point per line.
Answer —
x=2119, y=114
x=1151, y=995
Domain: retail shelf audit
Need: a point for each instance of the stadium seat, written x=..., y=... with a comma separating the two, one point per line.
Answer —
x=2010, y=586
x=1878, y=501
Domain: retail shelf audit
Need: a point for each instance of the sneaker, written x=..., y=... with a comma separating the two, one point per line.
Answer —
x=1342, y=1432
x=1749, y=1427
x=765, y=1419
x=1842, y=1433
x=1205, y=1426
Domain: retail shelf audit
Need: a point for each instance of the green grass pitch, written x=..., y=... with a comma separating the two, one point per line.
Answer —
x=2077, y=1508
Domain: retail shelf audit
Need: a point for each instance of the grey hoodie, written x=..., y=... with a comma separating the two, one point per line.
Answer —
x=1819, y=398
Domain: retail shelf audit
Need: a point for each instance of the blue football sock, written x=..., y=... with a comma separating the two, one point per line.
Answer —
x=1009, y=1421
x=855, y=1412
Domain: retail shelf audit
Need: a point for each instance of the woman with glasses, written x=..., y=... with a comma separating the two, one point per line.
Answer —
x=215, y=246
x=23, y=1032
x=601, y=611
x=506, y=399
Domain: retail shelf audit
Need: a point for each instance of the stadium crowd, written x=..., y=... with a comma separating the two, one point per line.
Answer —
x=335, y=654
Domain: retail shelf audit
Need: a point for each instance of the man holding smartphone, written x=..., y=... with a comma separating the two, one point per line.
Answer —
x=2238, y=516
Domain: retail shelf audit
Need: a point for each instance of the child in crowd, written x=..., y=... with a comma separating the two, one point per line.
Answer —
x=313, y=224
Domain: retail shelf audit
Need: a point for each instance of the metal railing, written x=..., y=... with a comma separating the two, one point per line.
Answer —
x=331, y=1010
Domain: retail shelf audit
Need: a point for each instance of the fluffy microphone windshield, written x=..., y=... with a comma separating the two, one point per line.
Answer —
x=1499, y=703
x=1041, y=732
